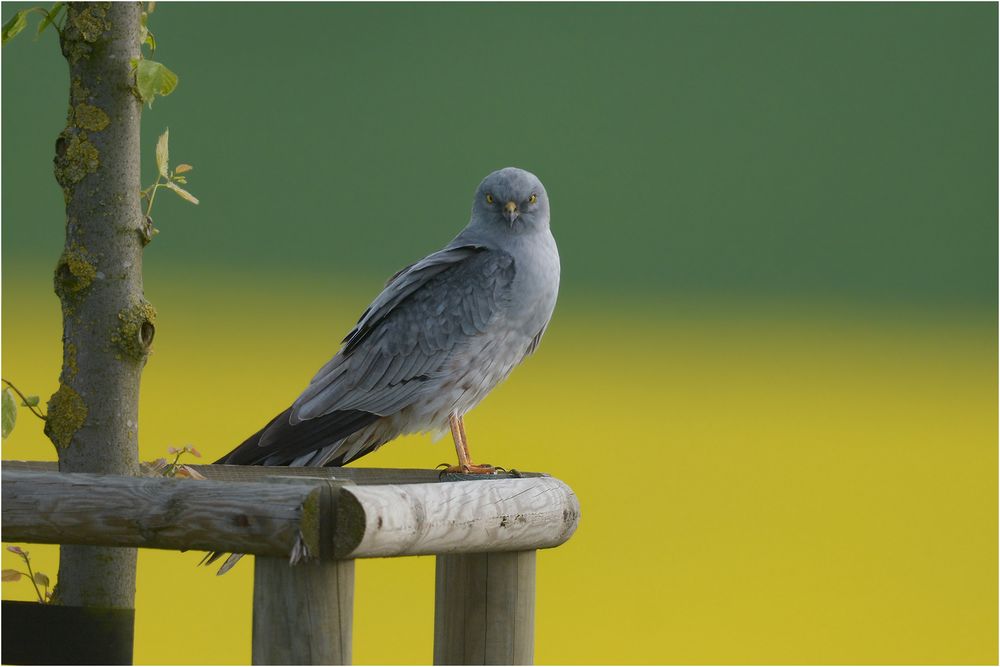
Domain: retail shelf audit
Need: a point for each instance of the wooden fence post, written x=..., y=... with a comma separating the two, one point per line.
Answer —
x=302, y=614
x=484, y=609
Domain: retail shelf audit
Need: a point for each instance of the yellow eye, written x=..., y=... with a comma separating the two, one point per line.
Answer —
x=489, y=198
x=532, y=199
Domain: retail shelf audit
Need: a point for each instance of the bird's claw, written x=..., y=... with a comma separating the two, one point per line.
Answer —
x=471, y=469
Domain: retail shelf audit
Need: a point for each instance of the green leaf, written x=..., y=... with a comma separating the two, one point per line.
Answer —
x=41, y=579
x=15, y=25
x=145, y=36
x=152, y=79
x=11, y=575
x=182, y=193
x=30, y=401
x=8, y=415
x=50, y=17
x=163, y=153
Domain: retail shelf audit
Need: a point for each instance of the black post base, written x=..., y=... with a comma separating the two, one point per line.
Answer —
x=49, y=634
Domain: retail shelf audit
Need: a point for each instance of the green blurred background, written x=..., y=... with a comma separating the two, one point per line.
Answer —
x=772, y=375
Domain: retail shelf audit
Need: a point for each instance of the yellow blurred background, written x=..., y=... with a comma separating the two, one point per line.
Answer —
x=766, y=487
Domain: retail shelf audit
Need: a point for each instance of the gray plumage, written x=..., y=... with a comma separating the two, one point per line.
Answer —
x=441, y=335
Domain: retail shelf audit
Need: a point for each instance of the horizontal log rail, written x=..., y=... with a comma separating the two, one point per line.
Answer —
x=485, y=532
x=287, y=515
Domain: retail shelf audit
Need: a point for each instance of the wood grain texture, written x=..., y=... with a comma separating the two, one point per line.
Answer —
x=484, y=609
x=181, y=514
x=476, y=516
x=302, y=614
x=331, y=518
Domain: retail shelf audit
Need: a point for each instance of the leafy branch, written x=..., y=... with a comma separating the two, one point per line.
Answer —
x=151, y=78
x=30, y=402
x=8, y=409
x=36, y=578
x=165, y=178
x=19, y=21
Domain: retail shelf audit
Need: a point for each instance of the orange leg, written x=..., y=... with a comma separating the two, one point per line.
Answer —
x=459, y=437
x=465, y=439
x=465, y=464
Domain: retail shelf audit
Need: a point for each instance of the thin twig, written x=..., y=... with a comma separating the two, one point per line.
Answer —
x=34, y=409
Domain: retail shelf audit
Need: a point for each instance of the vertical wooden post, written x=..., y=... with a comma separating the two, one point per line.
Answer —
x=484, y=609
x=302, y=614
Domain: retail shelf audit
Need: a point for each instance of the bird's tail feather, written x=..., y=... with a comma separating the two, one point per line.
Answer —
x=284, y=444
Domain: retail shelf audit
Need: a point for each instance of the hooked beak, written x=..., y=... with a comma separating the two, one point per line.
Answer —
x=510, y=211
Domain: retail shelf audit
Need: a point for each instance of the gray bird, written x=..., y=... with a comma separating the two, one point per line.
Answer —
x=442, y=334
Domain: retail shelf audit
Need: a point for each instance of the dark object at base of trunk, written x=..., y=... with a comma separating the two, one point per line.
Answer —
x=49, y=634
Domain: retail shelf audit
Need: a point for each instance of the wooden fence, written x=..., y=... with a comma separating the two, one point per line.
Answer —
x=306, y=526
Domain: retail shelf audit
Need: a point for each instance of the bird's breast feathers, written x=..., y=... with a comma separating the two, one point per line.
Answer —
x=536, y=284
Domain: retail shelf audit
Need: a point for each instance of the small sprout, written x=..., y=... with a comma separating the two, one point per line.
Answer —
x=164, y=179
x=175, y=468
x=36, y=578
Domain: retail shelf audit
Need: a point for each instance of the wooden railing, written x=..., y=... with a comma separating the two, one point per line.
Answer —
x=306, y=526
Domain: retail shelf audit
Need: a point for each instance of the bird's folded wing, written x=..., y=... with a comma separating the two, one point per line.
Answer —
x=404, y=339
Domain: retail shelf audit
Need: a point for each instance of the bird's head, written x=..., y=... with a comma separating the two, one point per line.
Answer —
x=513, y=199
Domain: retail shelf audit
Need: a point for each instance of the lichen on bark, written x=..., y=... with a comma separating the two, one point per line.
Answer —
x=75, y=270
x=134, y=335
x=91, y=118
x=83, y=28
x=75, y=158
x=66, y=414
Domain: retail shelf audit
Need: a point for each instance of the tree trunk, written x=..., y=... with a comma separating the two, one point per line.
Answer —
x=107, y=324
